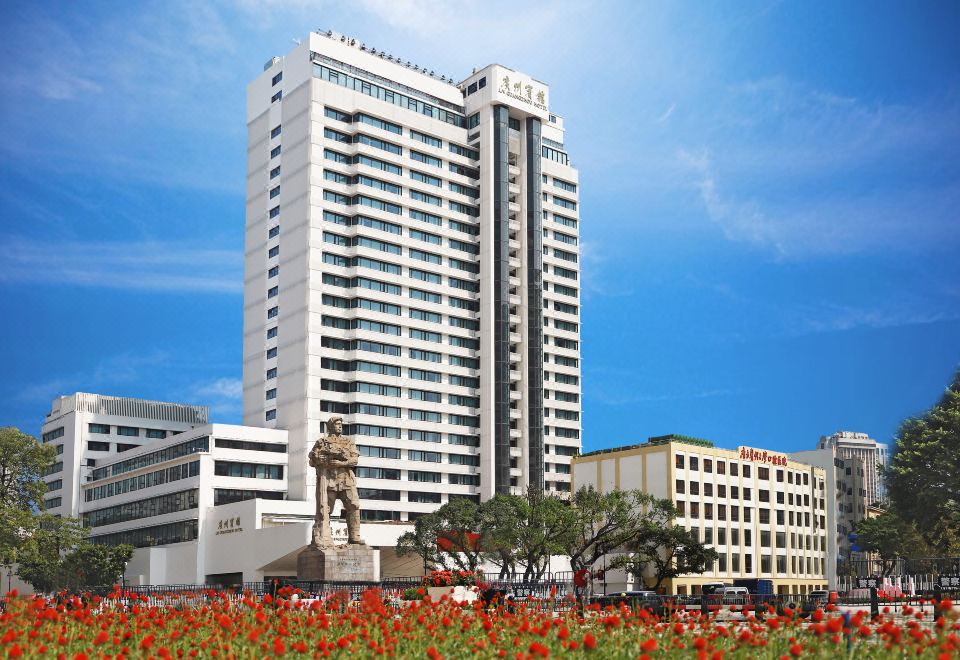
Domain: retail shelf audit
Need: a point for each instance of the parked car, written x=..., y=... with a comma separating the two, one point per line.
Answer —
x=734, y=595
x=712, y=587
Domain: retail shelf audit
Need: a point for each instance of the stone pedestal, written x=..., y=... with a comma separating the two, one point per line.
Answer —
x=347, y=563
x=458, y=594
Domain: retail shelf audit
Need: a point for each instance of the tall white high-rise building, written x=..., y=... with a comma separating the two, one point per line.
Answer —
x=412, y=266
x=873, y=454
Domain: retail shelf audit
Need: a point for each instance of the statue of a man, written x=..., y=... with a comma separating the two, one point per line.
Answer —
x=335, y=457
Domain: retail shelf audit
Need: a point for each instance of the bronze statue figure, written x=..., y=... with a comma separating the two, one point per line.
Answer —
x=335, y=458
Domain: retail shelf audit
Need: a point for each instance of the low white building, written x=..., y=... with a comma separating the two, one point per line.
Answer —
x=85, y=428
x=207, y=504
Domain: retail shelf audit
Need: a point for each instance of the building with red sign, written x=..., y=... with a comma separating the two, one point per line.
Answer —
x=764, y=513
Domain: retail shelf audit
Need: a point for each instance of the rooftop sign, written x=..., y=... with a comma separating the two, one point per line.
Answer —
x=762, y=456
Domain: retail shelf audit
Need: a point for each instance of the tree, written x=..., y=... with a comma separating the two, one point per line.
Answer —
x=422, y=541
x=527, y=530
x=454, y=536
x=923, y=479
x=22, y=464
x=888, y=536
x=41, y=555
x=670, y=551
x=90, y=565
x=604, y=522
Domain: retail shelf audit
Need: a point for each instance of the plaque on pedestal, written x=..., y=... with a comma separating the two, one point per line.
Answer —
x=349, y=563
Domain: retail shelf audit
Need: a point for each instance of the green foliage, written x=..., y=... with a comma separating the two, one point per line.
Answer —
x=22, y=464
x=604, y=522
x=923, y=479
x=666, y=552
x=41, y=556
x=889, y=536
x=506, y=530
x=528, y=530
x=90, y=565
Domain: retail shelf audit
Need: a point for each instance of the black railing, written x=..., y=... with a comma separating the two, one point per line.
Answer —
x=899, y=566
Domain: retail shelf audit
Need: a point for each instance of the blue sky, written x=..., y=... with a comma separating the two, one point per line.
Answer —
x=770, y=199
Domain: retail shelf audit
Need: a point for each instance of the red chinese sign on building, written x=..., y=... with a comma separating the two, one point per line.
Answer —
x=748, y=454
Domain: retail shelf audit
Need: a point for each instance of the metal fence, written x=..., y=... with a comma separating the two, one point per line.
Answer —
x=553, y=595
x=901, y=566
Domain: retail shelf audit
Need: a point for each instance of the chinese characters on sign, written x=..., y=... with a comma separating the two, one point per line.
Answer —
x=748, y=454
x=951, y=582
x=523, y=92
x=229, y=526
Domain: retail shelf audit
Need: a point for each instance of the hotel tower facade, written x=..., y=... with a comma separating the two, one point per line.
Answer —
x=412, y=266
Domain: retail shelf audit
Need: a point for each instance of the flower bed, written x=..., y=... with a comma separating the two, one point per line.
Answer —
x=221, y=625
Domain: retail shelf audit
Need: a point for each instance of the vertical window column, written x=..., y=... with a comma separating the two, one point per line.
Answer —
x=501, y=299
x=534, y=305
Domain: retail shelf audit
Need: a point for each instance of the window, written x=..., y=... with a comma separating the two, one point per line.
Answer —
x=377, y=123
x=423, y=498
x=94, y=445
x=274, y=251
x=429, y=179
x=679, y=460
x=271, y=333
x=57, y=433
x=425, y=197
x=425, y=236
x=427, y=296
x=277, y=78
x=273, y=312
x=425, y=159
x=429, y=356
x=472, y=154
x=275, y=151
x=429, y=257
x=275, y=132
x=423, y=456
x=427, y=139
x=424, y=395
x=426, y=217
x=130, y=431
x=99, y=428
x=270, y=415
x=423, y=477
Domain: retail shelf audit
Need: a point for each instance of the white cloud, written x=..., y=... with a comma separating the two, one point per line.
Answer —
x=143, y=265
x=224, y=396
x=666, y=114
x=222, y=388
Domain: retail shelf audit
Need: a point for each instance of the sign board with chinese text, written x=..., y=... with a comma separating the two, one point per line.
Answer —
x=519, y=90
x=762, y=456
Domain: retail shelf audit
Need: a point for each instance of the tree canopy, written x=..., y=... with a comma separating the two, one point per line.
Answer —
x=22, y=464
x=923, y=478
x=889, y=536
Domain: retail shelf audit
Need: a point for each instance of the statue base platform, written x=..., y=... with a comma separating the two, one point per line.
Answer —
x=347, y=563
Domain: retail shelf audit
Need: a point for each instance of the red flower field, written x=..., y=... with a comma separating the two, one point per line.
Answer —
x=220, y=625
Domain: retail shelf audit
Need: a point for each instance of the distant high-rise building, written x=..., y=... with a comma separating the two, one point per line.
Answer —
x=873, y=454
x=847, y=502
x=412, y=266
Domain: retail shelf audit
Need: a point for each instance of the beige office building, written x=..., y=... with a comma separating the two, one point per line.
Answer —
x=764, y=513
